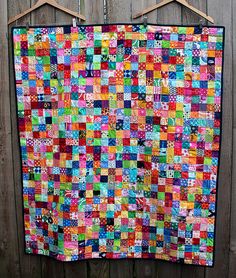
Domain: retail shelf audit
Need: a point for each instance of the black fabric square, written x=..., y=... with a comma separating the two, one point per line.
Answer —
x=104, y=178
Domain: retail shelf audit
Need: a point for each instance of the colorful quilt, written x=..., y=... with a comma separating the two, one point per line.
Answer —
x=119, y=129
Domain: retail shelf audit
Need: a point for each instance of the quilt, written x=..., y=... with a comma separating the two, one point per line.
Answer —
x=119, y=129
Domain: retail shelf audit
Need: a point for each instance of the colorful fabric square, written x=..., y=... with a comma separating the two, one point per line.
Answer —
x=119, y=129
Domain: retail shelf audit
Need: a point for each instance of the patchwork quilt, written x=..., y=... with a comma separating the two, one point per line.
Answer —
x=119, y=129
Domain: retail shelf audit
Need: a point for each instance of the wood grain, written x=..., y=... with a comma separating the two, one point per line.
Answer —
x=232, y=254
x=45, y=15
x=221, y=268
x=13, y=261
x=9, y=259
x=170, y=14
x=28, y=264
x=76, y=269
x=63, y=18
x=119, y=11
x=121, y=269
x=98, y=269
x=138, y=6
x=93, y=11
x=52, y=268
x=146, y=269
x=189, y=18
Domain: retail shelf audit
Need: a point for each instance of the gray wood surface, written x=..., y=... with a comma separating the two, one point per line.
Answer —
x=9, y=260
x=13, y=261
x=28, y=264
x=216, y=8
x=232, y=257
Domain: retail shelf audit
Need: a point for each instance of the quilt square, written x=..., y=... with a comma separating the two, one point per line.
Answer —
x=119, y=129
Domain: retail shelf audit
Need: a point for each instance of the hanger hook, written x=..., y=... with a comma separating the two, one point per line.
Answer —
x=145, y=20
x=74, y=22
x=200, y=23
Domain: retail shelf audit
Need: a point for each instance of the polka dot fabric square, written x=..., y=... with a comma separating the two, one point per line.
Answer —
x=119, y=129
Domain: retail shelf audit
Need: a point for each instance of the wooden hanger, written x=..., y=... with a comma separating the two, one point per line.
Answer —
x=52, y=3
x=182, y=2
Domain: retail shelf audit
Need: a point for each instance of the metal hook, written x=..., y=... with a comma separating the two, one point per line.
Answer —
x=27, y=25
x=145, y=20
x=200, y=24
x=74, y=22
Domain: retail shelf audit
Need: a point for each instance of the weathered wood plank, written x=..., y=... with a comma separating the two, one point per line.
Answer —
x=76, y=269
x=219, y=9
x=52, y=268
x=28, y=264
x=15, y=8
x=45, y=15
x=93, y=11
x=192, y=271
x=63, y=18
x=94, y=14
x=121, y=269
x=234, y=62
x=9, y=247
x=138, y=6
x=146, y=268
x=189, y=17
x=167, y=269
x=98, y=269
x=169, y=14
x=119, y=11
x=232, y=254
x=71, y=269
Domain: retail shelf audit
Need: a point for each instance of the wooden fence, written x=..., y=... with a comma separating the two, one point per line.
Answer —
x=13, y=261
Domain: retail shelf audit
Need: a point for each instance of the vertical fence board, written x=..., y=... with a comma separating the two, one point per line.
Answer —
x=169, y=14
x=20, y=265
x=232, y=265
x=98, y=268
x=45, y=15
x=219, y=9
x=75, y=269
x=145, y=268
x=71, y=269
x=9, y=249
x=119, y=11
x=189, y=18
x=173, y=269
x=29, y=264
x=93, y=11
x=122, y=269
x=52, y=268
x=138, y=6
x=64, y=18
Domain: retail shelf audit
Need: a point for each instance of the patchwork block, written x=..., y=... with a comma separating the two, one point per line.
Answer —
x=119, y=129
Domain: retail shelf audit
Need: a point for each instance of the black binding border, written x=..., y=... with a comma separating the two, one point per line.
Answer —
x=220, y=141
